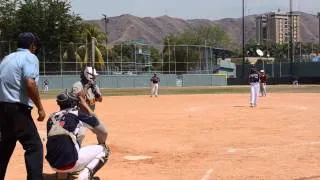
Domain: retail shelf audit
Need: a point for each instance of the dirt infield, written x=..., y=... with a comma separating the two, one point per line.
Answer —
x=204, y=137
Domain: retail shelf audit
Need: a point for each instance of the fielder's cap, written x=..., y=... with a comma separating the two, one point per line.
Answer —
x=262, y=70
x=25, y=39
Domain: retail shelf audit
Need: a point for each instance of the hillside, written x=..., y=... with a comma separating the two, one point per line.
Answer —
x=152, y=30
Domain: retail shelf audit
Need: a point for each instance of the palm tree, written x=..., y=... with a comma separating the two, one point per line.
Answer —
x=83, y=54
x=71, y=56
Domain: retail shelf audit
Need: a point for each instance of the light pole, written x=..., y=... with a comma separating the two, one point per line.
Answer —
x=243, y=41
x=319, y=34
x=291, y=38
x=312, y=45
x=106, y=21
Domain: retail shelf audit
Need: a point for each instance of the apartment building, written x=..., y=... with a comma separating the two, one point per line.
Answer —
x=275, y=28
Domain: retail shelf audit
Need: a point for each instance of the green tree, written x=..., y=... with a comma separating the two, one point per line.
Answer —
x=123, y=56
x=155, y=58
x=8, y=19
x=279, y=52
x=82, y=55
x=53, y=22
x=85, y=51
x=176, y=56
x=7, y=25
x=213, y=36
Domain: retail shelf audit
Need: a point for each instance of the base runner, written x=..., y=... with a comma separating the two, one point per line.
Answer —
x=263, y=83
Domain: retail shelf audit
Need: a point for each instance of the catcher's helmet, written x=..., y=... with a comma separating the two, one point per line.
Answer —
x=67, y=99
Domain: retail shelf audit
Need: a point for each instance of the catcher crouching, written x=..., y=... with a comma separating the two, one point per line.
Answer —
x=64, y=152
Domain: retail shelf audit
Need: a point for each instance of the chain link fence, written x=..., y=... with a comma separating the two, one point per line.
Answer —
x=141, y=59
x=127, y=58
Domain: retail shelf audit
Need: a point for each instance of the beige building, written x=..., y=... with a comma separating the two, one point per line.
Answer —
x=274, y=28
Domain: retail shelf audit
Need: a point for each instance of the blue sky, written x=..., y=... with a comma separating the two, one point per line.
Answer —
x=186, y=9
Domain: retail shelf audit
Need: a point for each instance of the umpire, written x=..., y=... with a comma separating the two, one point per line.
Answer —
x=19, y=74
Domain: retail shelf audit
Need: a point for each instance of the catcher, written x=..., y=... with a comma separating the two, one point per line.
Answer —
x=64, y=152
x=88, y=85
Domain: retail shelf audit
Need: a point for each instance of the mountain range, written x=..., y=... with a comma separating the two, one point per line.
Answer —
x=152, y=30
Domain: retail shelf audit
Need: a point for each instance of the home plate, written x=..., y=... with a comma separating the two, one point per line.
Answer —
x=232, y=150
x=303, y=108
x=136, y=158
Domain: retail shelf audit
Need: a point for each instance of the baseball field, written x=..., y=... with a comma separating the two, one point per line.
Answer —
x=203, y=134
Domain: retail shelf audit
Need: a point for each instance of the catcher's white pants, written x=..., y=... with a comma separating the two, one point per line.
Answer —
x=154, y=89
x=254, y=88
x=88, y=157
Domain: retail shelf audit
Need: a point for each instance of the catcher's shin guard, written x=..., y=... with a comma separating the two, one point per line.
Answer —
x=100, y=161
x=63, y=176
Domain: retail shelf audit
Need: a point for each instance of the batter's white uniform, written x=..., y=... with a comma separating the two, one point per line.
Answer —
x=90, y=98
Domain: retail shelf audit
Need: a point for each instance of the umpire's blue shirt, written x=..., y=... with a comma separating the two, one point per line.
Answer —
x=14, y=68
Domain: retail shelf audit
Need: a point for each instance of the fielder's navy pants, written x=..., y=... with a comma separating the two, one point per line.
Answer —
x=16, y=124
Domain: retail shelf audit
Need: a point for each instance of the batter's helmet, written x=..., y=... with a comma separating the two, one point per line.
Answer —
x=89, y=74
x=67, y=100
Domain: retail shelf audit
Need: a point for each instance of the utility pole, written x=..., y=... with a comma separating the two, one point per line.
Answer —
x=319, y=34
x=106, y=21
x=291, y=39
x=243, y=41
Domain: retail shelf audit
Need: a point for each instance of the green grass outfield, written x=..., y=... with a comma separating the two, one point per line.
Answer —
x=197, y=90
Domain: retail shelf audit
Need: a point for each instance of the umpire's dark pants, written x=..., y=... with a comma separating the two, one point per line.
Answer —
x=16, y=124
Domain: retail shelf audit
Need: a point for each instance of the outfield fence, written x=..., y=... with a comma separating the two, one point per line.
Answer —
x=299, y=69
x=137, y=81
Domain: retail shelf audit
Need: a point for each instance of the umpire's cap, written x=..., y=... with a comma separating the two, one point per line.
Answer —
x=25, y=39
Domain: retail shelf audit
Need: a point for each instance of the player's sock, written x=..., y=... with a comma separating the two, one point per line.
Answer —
x=85, y=174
